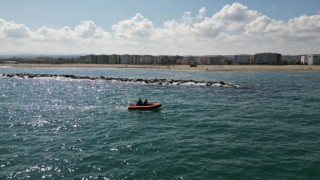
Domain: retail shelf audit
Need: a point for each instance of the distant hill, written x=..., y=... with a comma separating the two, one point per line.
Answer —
x=39, y=55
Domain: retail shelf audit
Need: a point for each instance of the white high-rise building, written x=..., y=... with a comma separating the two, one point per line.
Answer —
x=313, y=59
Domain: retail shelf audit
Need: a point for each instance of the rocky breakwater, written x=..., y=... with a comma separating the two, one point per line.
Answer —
x=134, y=80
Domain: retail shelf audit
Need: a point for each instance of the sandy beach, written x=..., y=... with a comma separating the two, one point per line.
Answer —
x=176, y=67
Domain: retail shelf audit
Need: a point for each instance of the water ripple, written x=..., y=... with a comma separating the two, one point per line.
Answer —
x=81, y=129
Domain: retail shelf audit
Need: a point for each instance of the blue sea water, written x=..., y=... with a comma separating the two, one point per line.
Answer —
x=266, y=127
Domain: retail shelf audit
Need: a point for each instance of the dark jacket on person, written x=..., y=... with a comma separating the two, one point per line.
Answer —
x=139, y=103
x=145, y=102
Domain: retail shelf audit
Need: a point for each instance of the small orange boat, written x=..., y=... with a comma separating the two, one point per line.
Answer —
x=153, y=105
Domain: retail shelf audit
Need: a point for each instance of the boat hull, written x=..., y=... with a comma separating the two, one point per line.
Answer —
x=153, y=105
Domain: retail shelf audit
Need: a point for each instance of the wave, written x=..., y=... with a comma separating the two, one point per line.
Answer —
x=5, y=67
x=134, y=80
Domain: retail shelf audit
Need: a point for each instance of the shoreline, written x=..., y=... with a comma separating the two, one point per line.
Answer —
x=176, y=67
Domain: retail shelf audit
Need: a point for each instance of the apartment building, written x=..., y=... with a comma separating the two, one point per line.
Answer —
x=267, y=58
x=242, y=59
x=313, y=59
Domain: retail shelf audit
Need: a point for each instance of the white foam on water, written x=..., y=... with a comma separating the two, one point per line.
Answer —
x=193, y=84
x=38, y=123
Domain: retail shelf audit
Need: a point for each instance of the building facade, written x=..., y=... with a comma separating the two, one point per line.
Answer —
x=148, y=59
x=242, y=59
x=313, y=59
x=267, y=59
x=304, y=59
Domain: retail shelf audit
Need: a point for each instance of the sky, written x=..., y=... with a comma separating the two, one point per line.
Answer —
x=158, y=27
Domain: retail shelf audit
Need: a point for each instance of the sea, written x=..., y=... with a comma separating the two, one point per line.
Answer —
x=265, y=126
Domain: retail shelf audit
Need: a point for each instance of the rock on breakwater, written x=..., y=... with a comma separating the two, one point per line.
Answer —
x=137, y=80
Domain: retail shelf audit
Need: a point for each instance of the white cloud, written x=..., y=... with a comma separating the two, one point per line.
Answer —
x=303, y=28
x=88, y=29
x=133, y=29
x=13, y=30
x=44, y=34
x=202, y=13
x=233, y=29
x=236, y=13
x=263, y=25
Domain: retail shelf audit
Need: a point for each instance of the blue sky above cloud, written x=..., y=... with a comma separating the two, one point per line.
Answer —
x=159, y=27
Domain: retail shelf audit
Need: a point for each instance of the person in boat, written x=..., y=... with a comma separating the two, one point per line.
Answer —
x=145, y=102
x=139, y=103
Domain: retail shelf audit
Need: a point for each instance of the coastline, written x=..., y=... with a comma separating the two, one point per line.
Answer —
x=176, y=67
